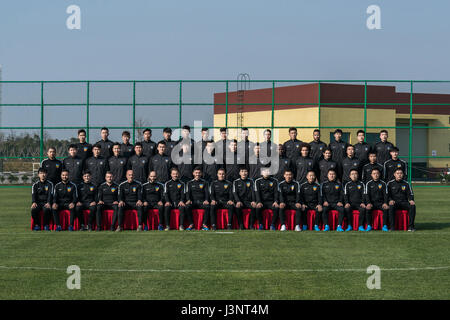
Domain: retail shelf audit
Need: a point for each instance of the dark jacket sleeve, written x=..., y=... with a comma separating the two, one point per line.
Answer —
x=100, y=193
x=235, y=193
x=75, y=194
x=166, y=193
x=140, y=191
x=212, y=192
x=297, y=193
x=230, y=194
x=33, y=193
x=280, y=195
x=206, y=188
x=323, y=195
x=341, y=195
x=79, y=192
x=50, y=193
x=257, y=191
x=346, y=196
x=55, y=195
x=410, y=192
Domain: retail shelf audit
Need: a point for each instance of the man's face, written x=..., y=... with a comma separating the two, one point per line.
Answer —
x=375, y=174
x=267, y=135
x=233, y=146
x=383, y=136
x=205, y=135
x=197, y=174
x=331, y=175
x=223, y=135
x=64, y=176
x=280, y=149
x=210, y=147
x=354, y=175
x=221, y=175
x=86, y=178
x=147, y=135
x=394, y=154
x=372, y=158
x=125, y=139
x=243, y=174
x=361, y=137
x=42, y=176
x=109, y=178
x=104, y=134
x=316, y=136
x=130, y=175
x=185, y=133
x=161, y=148
x=257, y=150
x=167, y=135
x=337, y=136
x=288, y=176
x=138, y=150
x=398, y=175
x=185, y=147
x=293, y=134
x=327, y=154
x=311, y=177
x=73, y=152
x=350, y=152
x=174, y=174
x=304, y=152
x=244, y=134
x=51, y=153
x=152, y=176
x=96, y=151
x=116, y=150
x=82, y=137
x=265, y=173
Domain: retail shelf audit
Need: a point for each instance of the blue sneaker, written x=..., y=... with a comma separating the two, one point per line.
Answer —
x=339, y=228
x=190, y=227
x=261, y=227
x=36, y=228
x=70, y=228
x=316, y=227
x=58, y=228
x=160, y=227
x=46, y=227
x=385, y=228
x=272, y=227
x=361, y=228
x=305, y=227
x=327, y=228
x=146, y=228
x=205, y=228
x=369, y=228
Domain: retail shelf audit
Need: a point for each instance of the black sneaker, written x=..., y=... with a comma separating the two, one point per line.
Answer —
x=213, y=227
x=241, y=227
x=228, y=226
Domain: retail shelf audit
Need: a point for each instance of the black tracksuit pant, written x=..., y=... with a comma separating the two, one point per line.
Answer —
x=240, y=216
x=304, y=217
x=362, y=214
x=105, y=206
x=35, y=214
x=332, y=206
x=152, y=205
x=62, y=206
x=219, y=205
x=121, y=213
x=289, y=206
x=167, y=214
x=79, y=213
x=267, y=205
x=402, y=205
x=377, y=206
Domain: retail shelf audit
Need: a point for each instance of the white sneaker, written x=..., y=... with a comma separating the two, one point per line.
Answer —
x=283, y=227
x=297, y=228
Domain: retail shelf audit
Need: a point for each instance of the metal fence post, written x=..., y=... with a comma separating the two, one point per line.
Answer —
x=318, y=100
x=134, y=112
x=226, y=106
x=180, y=108
x=41, y=145
x=365, y=110
x=273, y=104
x=410, y=133
x=87, y=110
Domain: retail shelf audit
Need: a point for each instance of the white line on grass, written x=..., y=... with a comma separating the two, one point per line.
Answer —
x=224, y=270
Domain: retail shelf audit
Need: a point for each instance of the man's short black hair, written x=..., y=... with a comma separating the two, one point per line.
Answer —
x=81, y=131
x=327, y=149
x=65, y=170
x=147, y=129
x=223, y=129
x=305, y=145
x=86, y=171
x=372, y=152
x=72, y=146
x=126, y=133
x=51, y=148
x=42, y=170
x=375, y=169
x=244, y=129
x=197, y=168
x=243, y=167
x=354, y=170
x=399, y=169
x=334, y=170
x=268, y=130
x=116, y=144
x=394, y=149
x=104, y=128
x=161, y=142
x=98, y=145
x=292, y=129
x=384, y=131
x=209, y=141
x=348, y=146
x=316, y=130
x=167, y=129
x=337, y=131
x=204, y=129
x=360, y=131
x=138, y=144
x=188, y=128
x=174, y=169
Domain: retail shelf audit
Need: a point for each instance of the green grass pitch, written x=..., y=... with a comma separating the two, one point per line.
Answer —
x=213, y=265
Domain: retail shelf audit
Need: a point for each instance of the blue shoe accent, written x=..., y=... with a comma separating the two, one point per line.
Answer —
x=70, y=228
x=46, y=228
x=272, y=227
x=385, y=228
x=369, y=228
x=36, y=228
x=189, y=228
x=261, y=227
x=361, y=228
x=339, y=229
x=316, y=227
x=205, y=228
x=305, y=227
x=146, y=228
x=58, y=228
x=327, y=228
x=160, y=227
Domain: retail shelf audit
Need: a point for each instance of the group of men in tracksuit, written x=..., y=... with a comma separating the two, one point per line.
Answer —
x=230, y=175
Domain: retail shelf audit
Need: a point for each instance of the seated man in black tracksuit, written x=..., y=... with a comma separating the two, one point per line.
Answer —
x=376, y=198
x=244, y=196
x=174, y=196
x=266, y=192
x=332, y=198
x=221, y=194
x=197, y=195
x=153, y=198
x=107, y=198
x=130, y=198
x=289, y=196
x=367, y=168
x=64, y=198
x=354, y=200
x=41, y=199
x=400, y=197
x=87, y=199
x=310, y=199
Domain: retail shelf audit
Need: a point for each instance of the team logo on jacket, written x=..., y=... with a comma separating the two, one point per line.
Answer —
x=156, y=188
x=225, y=186
x=143, y=161
x=248, y=184
x=179, y=185
x=69, y=189
x=46, y=188
x=403, y=188
x=121, y=162
x=91, y=188
x=320, y=148
x=380, y=186
x=85, y=149
x=57, y=165
x=359, y=187
x=201, y=185
x=292, y=188
x=314, y=188
x=271, y=184
x=134, y=189
x=355, y=163
x=336, y=187
x=399, y=165
x=113, y=189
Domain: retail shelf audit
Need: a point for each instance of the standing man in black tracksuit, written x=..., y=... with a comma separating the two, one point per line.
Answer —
x=161, y=163
x=325, y=165
x=221, y=194
x=332, y=195
x=376, y=198
x=105, y=144
x=400, y=197
x=107, y=199
x=222, y=147
x=310, y=199
x=289, y=196
x=197, y=194
x=383, y=148
x=41, y=199
x=317, y=147
x=139, y=164
x=284, y=164
x=84, y=149
x=74, y=165
x=292, y=146
x=362, y=148
x=256, y=163
x=209, y=163
x=349, y=163
x=200, y=146
x=148, y=146
x=354, y=200
x=266, y=192
x=393, y=164
x=126, y=148
x=64, y=198
x=130, y=198
x=97, y=165
x=87, y=199
x=117, y=164
x=233, y=161
x=186, y=166
x=245, y=146
x=53, y=166
x=174, y=196
x=368, y=167
x=267, y=146
x=169, y=144
x=338, y=149
x=303, y=164
x=244, y=196
x=153, y=198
